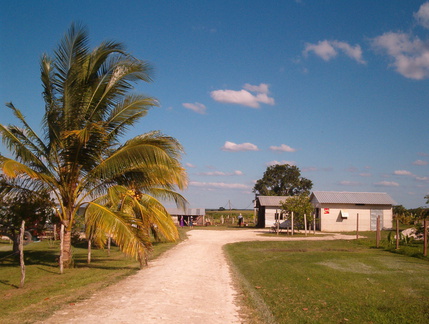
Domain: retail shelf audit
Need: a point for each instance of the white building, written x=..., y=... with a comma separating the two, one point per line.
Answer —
x=266, y=208
x=338, y=211
x=335, y=211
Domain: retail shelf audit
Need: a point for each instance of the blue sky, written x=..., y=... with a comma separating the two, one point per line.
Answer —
x=337, y=88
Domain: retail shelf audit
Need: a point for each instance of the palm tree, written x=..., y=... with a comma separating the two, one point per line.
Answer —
x=140, y=215
x=88, y=108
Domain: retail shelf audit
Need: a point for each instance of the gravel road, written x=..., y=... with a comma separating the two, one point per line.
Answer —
x=191, y=283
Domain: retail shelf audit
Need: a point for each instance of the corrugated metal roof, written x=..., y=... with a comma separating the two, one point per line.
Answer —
x=369, y=198
x=188, y=211
x=271, y=200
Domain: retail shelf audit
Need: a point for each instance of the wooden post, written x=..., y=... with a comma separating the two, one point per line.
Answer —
x=377, y=235
x=21, y=253
x=314, y=224
x=305, y=224
x=61, y=249
x=89, y=249
x=55, y=232
x=291, y=224
x=397, y=233
x=425, y=237
x=109, y=243
x=357, y=226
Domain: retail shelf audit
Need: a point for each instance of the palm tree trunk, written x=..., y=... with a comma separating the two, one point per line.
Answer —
x=67, y=253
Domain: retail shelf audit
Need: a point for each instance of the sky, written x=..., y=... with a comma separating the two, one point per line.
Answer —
x=337, y=88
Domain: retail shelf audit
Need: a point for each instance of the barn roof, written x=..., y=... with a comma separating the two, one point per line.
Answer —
x=187, y=212
x=271, y=200
x=369, y=198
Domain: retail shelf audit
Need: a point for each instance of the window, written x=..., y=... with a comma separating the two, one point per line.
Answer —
x=344, y=214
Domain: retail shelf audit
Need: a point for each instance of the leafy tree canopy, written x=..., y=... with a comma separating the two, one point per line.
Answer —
x=299, y=205
x=282, y=180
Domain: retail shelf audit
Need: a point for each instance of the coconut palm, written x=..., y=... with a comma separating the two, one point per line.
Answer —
x=139, y=214
x=88, y=108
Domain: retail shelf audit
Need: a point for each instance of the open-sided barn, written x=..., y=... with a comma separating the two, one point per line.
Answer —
x=182, y=217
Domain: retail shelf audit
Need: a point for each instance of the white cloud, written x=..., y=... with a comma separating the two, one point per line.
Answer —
x=244, y=97
x=387, y=184
x=328, y=50
x=220, y=173
x=197, y=107
x=218, y=185
x=282, y=148
x=422, y=16
x=410, y=54
x=422, y=178
x=262, y=88
x=402, y=172
x=190, y=165
x=365, y=174
x=420, y=162
x=271, y=163
x=233, y=147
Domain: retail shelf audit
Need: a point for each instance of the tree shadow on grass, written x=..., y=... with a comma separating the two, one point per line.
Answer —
x=6, y=283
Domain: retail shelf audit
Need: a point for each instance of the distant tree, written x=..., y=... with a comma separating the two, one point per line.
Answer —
x=221, y=208
x=419, y=213
x=282, y=180
x=19, y=205
x=402, y=214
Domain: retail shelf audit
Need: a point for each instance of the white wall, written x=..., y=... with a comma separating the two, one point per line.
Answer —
x=331, y=220
x=270, y=215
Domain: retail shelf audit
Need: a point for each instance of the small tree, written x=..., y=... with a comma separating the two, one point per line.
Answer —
x=300, y=205
x=402, y=214
x=282, y=180
x=19, y=205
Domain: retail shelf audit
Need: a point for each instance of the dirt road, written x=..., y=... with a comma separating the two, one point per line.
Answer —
x=190, y=283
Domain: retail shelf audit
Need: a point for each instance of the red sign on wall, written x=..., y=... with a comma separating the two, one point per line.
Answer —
x=326, y=210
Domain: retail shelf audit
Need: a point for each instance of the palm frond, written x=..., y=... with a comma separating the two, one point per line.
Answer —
x=124, y=229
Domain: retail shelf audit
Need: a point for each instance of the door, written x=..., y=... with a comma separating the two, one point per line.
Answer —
x=374, y=214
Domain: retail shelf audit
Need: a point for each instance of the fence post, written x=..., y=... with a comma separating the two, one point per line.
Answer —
x=62, y=248
x=357, y=226
x=21, y=253
x=377, y=235
x=397, y=233
x=425, y=238
x=305, y=224
x=291, y=231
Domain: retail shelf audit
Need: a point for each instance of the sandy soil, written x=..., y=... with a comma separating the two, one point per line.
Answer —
x=190, y=283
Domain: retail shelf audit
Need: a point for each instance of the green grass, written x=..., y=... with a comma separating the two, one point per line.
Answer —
x=330, y=282
x=46, y=290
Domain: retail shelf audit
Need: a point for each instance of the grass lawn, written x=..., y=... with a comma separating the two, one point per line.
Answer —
x=330, y=282
x=46, y=290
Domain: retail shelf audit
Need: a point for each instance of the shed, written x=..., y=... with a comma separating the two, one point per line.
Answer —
x=267, y=208
x=182, y=217
x=337, y=211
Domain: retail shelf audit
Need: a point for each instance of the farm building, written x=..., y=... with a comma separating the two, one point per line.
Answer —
x=266, y=208
x=182, y=217
x=337, y=211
